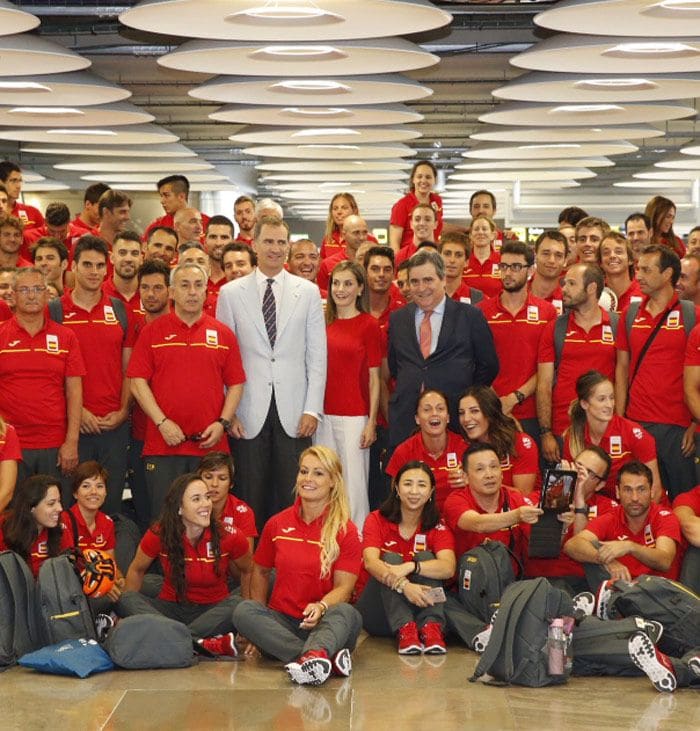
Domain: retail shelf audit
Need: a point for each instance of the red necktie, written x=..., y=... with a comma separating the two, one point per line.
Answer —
x=426, y=333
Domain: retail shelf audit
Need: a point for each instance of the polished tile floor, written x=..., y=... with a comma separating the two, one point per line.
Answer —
x=385, y=692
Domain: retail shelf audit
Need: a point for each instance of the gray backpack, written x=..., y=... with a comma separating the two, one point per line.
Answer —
x=484, y=572
x=148, y=641
x=517, y=650
x=64, y=610
x=663, y=600
x=19, y=626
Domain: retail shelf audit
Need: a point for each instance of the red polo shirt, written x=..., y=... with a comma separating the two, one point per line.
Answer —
x=486, y=276
x=396, y=301
x=564, y=565
x=293, y=548
x=462, y=500
x=134, y=303
x=33, y=372
x=690, y=499
x=381, y=533
x=81, y=228
x=239, y=515
x=624, y=440
x=102, y=340
x=633, y=293
x=660, y=522
x=5, y=311
x=204, y=584
x=554, y=299
x=692, y=353
x=39, y=550
x=167, y=220
x=582, y=352
x=414, y=448
x=401, y=216
x=323, y=278
x=656, y=393
x=9, y=445
x=240, y=239
x=102, y=537
x=517, y=339
x=187, y=368
x=464, y=294
x=32, y=235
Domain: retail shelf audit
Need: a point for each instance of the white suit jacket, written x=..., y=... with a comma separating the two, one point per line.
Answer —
x=296, y=367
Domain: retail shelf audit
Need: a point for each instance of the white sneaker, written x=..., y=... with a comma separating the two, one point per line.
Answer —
x=311, y=671
x=584, y=603
x=342, y=663
x=481, y=640
x=655, y=664
x=603, y=599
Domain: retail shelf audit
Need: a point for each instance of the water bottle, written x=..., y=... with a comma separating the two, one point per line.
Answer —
x=556, y=647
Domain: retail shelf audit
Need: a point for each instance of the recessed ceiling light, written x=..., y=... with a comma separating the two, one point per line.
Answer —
x=46, y=110
x=24, y=86
x=86, y=132
x=318, y=131
x=310, y=85
x=586, y=108
x=297, y=51
x=282, y=11
x=622, y=83
x=312, y=112
x=652, y=47
x=330, y=147
x=679, y=5
x=547, y=147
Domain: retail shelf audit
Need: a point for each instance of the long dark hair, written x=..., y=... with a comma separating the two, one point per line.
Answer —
x=172, y=533
x=391, y=507
x=20, y=528
x=502, y=428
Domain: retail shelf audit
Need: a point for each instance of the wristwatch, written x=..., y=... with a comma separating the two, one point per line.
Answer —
x=581, y=511
x=225, y=423
x=520, y=396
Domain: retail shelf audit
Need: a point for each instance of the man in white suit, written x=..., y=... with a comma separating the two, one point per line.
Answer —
x=278, y=320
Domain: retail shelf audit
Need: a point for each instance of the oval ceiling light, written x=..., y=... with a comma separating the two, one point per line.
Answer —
x=569, y=53
x=281, y=20
x=661, y=18
x=529, y=175
x=584, y=162
x=668, y=175
x=15, y=20
x=691, y=150
x=118, y=180
x=308, y=59
x=123, y=166
x=289, y=135
x=334, y=180
x=76, y=89
x=585, y=88
x=28, y=55
x=399, y=166
x=302, y=92
x=146, y=134
x=683, y=164
x=567, y=134
x=545, y=150
x=330, y=151
x=652, y=184
x=584, y=115
x=121, y=113
x=323, y=116
x=165, y=151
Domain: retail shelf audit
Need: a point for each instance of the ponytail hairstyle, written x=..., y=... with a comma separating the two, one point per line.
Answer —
x=585, y=385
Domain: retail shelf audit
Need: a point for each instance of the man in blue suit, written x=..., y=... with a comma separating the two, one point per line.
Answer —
x=434, y=342
x=278, y=320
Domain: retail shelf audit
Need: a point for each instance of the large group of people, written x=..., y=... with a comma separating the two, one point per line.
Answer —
x=313, y=436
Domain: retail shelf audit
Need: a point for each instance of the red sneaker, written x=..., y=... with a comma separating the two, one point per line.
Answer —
x=432, y=639
x=220, y=645
x=654, y=663
x=312, y=668
x=409, y=641
x=342, y=663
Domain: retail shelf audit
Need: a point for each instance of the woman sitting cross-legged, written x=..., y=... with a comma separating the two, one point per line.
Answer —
x=408, y=553
x=196, y=555
x=315, y=551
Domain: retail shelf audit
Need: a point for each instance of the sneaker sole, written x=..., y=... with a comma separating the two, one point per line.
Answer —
x=342, y=663
x=482, y=640
x=314, y=672
x=643, y=655
x=435, y=650
x=585, y=603
x=603, y=600
x=412, y=650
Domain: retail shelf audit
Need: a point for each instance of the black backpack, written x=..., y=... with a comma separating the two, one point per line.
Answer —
x=64, y=610
x=663, y=600
x=147, y=641
x=517, y=650
x=19, y=626
x=484, y=572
